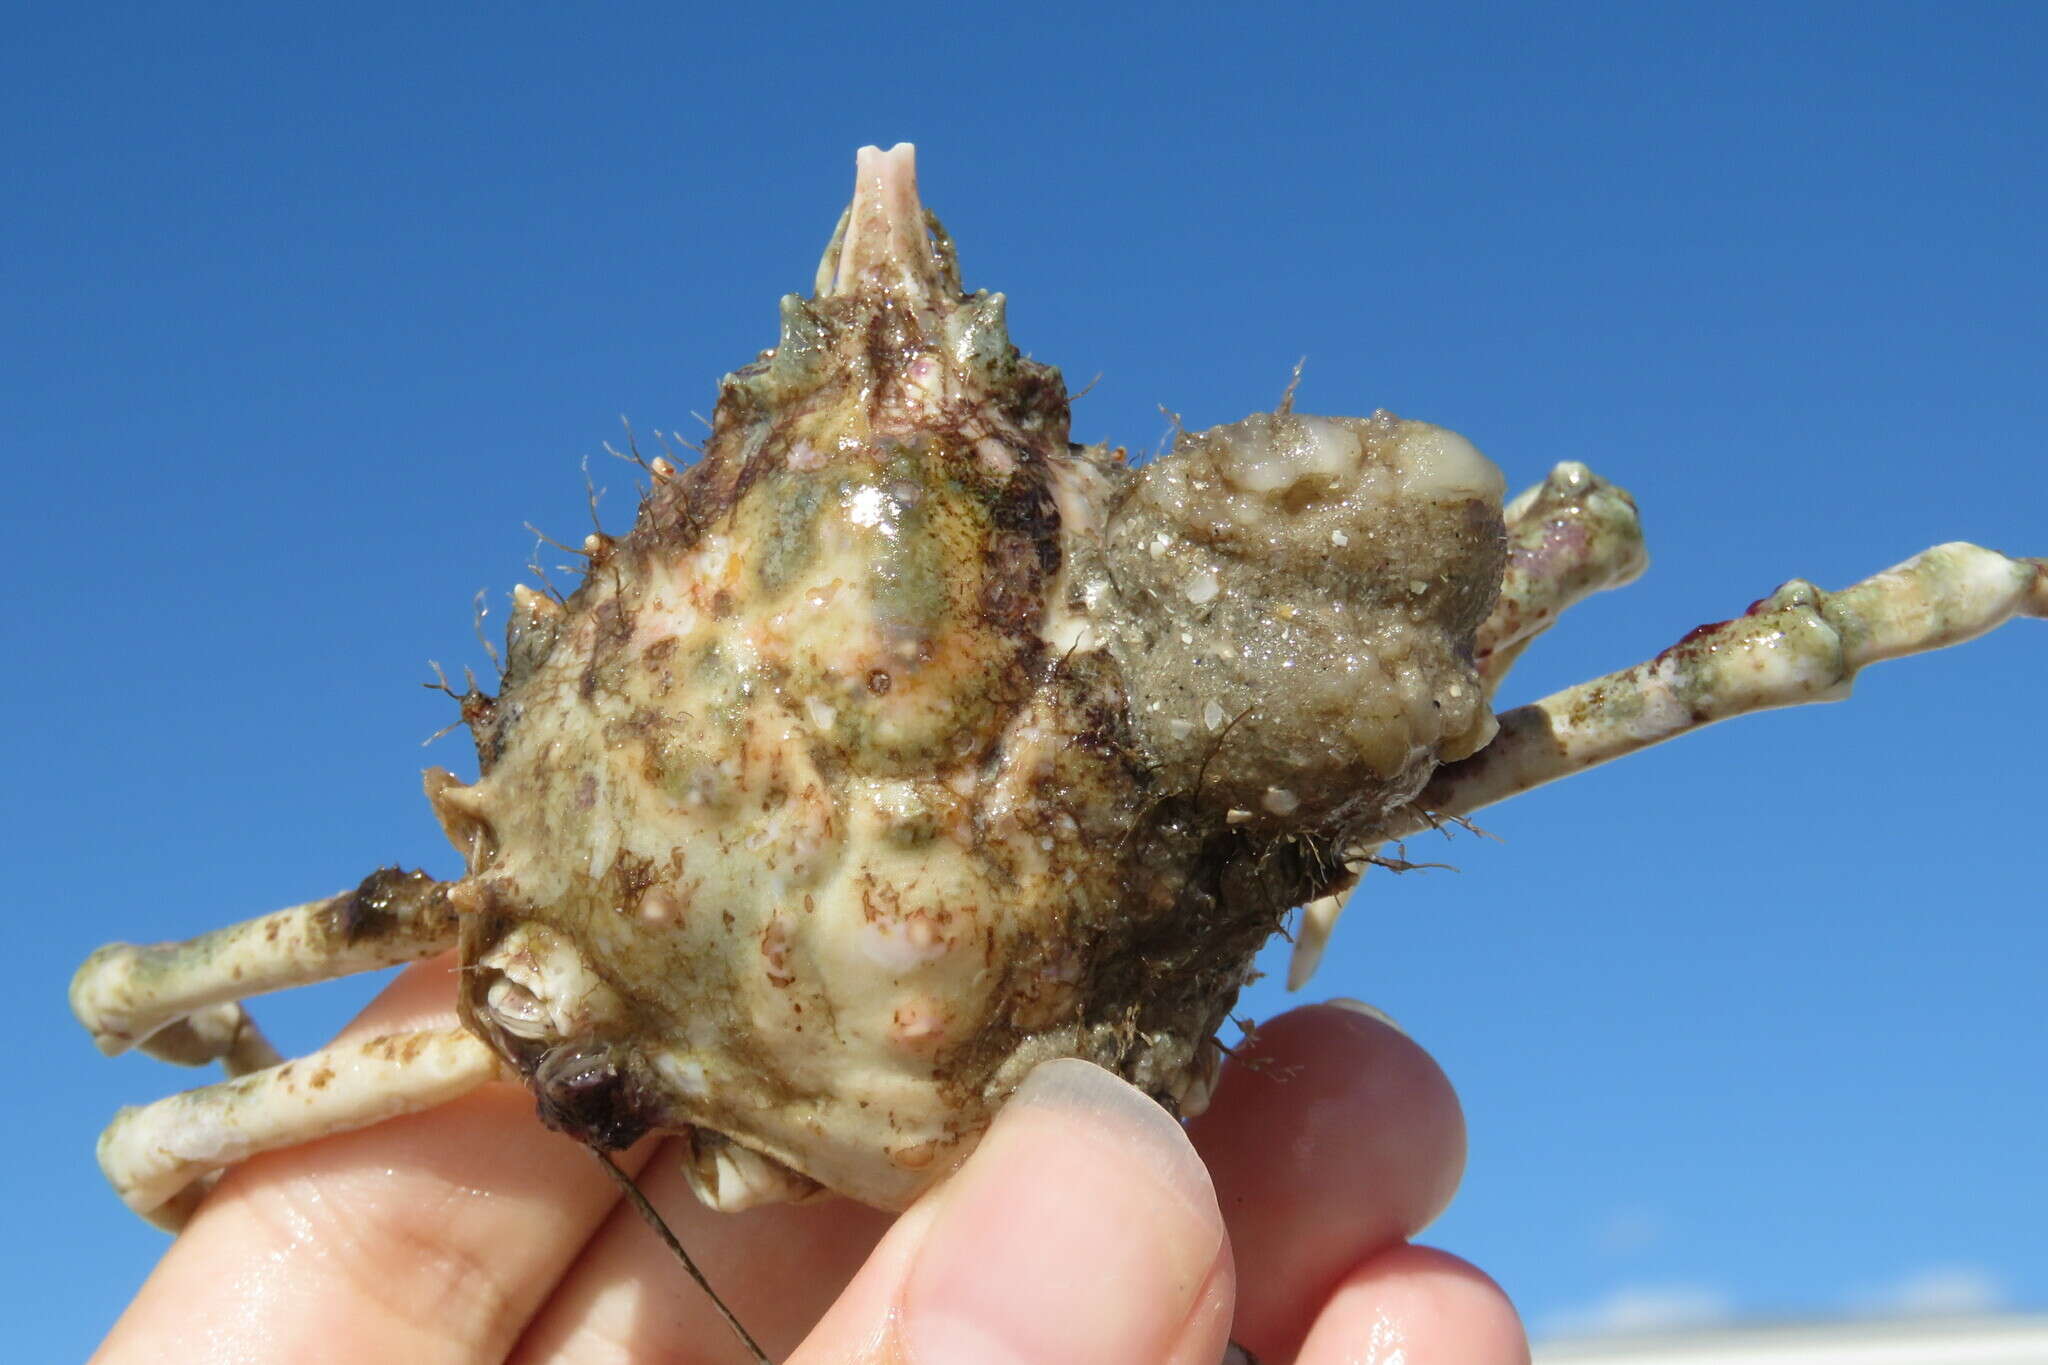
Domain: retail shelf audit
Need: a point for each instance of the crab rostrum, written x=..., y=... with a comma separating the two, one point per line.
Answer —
x=903, y=744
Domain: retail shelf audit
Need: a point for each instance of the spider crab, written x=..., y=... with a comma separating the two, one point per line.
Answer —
x=903, y=744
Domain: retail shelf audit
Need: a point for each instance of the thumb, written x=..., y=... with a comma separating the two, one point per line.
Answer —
x=1083, y=1229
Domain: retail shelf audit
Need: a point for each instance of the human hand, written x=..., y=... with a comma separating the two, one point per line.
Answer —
x=1087, y=1227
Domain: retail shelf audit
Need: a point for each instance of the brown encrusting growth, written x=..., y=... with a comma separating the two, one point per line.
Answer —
x=903, y=744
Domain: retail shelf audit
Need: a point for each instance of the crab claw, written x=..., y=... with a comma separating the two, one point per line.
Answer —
x=885, y=243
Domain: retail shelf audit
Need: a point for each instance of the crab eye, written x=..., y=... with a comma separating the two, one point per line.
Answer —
x=517, y=1010
x=594, y=1093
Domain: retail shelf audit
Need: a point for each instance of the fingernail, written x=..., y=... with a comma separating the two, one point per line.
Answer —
x=1345, y=1002
x=1084, y=1229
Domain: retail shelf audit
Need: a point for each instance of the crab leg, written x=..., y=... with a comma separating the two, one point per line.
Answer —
x=177, y=999
x=1318, y=922
x=1797, y=645
x=158, y=1156
x=1569, y=537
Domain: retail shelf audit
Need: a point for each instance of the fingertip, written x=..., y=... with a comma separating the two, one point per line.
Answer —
x=1084, y=1228
x=1332, y=1135
x=1417, y=1303
x=1395, y=1075
x=1357, y=1106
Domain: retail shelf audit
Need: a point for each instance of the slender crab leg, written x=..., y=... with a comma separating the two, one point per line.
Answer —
x=1569, y=537
x=176, y=1000
x=158, y=1156
x=1798, y=645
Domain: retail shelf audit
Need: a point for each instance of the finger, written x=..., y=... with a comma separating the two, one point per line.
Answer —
x=626, y=1299
x=1331, y=1136
x=426, y=1238
x=1082, y=1230
x=1420, y=1305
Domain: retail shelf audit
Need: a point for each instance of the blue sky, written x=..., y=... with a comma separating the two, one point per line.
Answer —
x=309, y=311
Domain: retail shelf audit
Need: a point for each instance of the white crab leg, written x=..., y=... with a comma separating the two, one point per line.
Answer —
x=154, y=1155
x=125, y=994
x=1569, y=537
x=1797, y=645
x=1312, y=934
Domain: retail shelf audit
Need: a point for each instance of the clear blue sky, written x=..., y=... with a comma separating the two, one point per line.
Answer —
x=308, y=311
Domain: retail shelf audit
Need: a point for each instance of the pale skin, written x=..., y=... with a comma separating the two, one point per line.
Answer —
x=1089, y=1226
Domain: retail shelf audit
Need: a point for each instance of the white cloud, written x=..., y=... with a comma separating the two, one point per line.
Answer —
x=1935, y=1291
x=1629, y=1229
x=1650, y=1309
x=1642, y=1308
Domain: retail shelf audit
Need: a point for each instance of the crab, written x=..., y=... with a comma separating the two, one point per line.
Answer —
x=903, y=745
